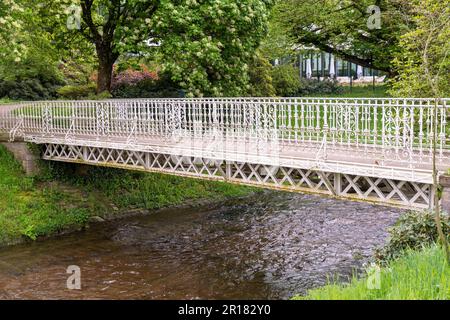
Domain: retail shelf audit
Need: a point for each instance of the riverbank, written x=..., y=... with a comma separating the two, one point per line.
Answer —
x=416, y=275
x=64, y=198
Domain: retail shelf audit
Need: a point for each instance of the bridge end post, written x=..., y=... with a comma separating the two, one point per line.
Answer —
x=444, y=181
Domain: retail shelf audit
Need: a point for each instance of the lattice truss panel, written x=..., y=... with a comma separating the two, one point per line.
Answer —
x=354, y=187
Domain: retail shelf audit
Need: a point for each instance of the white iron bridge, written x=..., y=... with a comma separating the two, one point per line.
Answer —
x=377, y=150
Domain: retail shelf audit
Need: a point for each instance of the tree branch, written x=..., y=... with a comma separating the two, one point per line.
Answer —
x=86, y=6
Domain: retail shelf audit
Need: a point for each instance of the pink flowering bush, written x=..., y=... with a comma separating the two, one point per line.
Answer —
x=132, y=77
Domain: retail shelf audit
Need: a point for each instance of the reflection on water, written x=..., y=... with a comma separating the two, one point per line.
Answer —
x=269, y=247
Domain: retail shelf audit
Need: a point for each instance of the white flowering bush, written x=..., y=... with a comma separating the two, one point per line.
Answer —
x=12, y=15
x=208, y=44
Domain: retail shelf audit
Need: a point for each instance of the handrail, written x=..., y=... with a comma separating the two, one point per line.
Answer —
x=382, y=129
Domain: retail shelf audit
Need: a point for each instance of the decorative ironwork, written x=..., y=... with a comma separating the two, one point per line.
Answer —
x=362, y=139
x=354, y=187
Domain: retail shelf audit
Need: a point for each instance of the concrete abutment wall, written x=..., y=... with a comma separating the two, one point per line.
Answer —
x=24, y=155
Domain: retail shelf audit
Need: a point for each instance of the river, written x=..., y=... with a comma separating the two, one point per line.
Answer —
x=267, y=247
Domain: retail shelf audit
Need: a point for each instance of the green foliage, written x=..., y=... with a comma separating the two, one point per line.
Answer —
x=287, y=83
x=144, y=84
x=124, y=25
x=329, y=24
x=128, y=189
x=208, y=45
x=61, y=198
x=105, y=95
x=12, y=17
x=413, y=230
x=417, y=275
x=50, y=220
x=423, y=63
x=28, y=89
x=82, y=92
x=260, y=73
x=77, y=70
x=286, y=80
x=77, y=91
x=110, y=28
x=30, y=71
x=278, y=42
x=323, y=87
x=148, y=88
x=30, y=210
x=361, y=91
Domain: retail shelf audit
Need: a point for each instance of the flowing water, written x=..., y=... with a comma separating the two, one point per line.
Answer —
x=268, y=247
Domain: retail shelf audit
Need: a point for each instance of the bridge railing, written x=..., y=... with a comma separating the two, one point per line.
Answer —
x=392, y=129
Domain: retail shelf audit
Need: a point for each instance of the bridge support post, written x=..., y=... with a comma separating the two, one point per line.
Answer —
x=228, y=173
x=444, y=181
x=147, y=161
x=85, y=154
x=337, y=183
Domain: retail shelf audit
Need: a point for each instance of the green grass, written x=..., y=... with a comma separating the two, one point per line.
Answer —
x=359, y=91
x=7, y=100
x=130, y=189
x=31, y=210
x=60, y=199
x=415, y=275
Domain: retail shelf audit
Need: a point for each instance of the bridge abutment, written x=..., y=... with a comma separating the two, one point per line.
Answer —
x=24, y=155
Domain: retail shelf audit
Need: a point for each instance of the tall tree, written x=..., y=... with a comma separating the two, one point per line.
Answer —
x=113, y=27
x=208, y=45
x=347, y=28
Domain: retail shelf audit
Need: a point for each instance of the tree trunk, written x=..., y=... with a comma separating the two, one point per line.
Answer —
x=106, y=60
x=105, y=69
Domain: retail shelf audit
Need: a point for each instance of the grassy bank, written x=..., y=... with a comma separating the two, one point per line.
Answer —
x=420, y=274
x=365, y=91
x=27, y=209
x=358, y=91
x=64, y=198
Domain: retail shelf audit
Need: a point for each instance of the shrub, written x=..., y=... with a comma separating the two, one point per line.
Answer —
x=260, y=78
x=287, y=83
x=413, y=230
x=28, y=89
x=77, y=91
x=100, y=96
x=162, y=87
x=313, y=86
x=130, y=77
x=286, y=80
